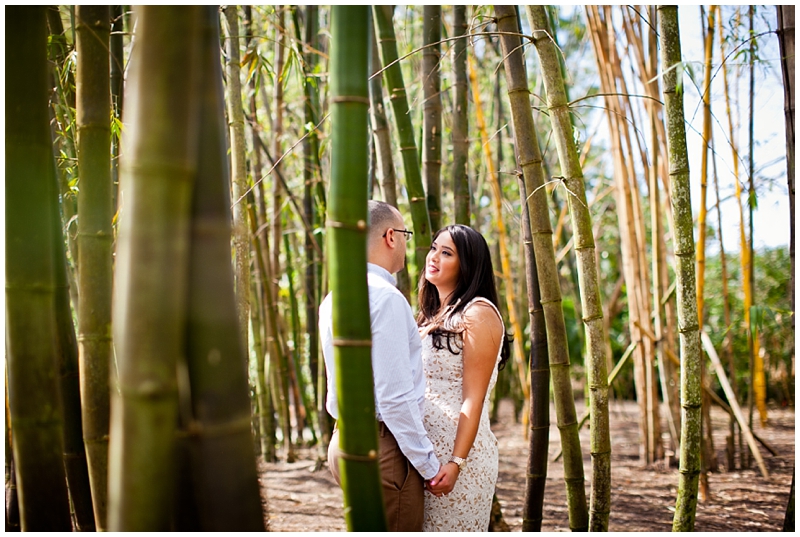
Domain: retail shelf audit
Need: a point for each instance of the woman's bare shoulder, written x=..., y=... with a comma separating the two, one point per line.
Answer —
x=482, y=315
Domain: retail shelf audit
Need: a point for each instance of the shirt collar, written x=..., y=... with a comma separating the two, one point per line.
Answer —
x=377, y=270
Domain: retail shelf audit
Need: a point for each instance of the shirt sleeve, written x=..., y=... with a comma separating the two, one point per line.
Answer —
x=398, y=405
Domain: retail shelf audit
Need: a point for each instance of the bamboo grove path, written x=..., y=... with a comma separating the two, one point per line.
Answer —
x=642, y=499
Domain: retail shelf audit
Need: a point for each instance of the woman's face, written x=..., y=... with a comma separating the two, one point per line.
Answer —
x=442, y=267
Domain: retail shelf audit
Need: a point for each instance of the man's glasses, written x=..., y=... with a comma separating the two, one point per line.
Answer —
x=405, y=231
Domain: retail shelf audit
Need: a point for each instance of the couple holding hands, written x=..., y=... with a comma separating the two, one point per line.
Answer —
x=432, y=377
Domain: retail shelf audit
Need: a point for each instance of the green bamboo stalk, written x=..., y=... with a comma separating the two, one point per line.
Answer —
x=461, y=195
x=157, y=177
x=393, y=75
x=63, y=104
x=591, y=304
x=432, y=111
x=223, y=465
x=241, y=242
x=690, y=351
x=266, y=409
x=94, y=243
x=347, y=258
x=530, y=160
x=300, y=366
x=540, y=382
x=383, y=148
x=31, y=337
x=67, y=352
x=117, y=55
x=311, y=175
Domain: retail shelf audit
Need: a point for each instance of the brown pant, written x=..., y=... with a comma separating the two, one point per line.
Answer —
x=403, y=486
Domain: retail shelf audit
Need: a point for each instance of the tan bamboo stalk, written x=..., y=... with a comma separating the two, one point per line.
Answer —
x=691, y=400
x=641, y=272
x=706, y=440
x=95, y=244
x=723, y=381
x=497, y=201
x=758, y=382
x=744, y=249
x=432, y=111
x=587, y=266
x=603, y=36
x=701, y=216
x=529, y=159
x=241, y=241
x=727, y=347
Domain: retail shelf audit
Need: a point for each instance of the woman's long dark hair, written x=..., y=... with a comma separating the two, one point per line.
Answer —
x=476, y=279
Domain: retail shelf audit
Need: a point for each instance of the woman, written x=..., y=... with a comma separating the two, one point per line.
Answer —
x=463, y=347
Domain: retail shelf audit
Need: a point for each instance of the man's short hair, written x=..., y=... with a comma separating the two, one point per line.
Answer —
x=381, y=217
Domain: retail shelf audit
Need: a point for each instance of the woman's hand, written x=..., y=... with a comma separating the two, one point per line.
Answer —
x=444, y=481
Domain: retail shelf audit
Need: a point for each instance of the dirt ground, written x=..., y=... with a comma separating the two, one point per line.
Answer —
x=642, y=499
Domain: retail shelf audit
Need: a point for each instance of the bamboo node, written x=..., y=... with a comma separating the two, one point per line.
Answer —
x=342, y=342
x=596, y=317
x=552, y=301
x=350, y=99
x=361, y=225
x=239, y=426
x=690, y=328
x=369, y=457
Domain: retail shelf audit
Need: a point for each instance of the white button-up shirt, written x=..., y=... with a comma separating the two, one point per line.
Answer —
x=396, y=368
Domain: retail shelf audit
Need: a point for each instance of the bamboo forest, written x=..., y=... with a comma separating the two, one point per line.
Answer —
x=184, y=185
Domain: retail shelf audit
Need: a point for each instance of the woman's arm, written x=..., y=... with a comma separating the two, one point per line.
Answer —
x=482, y=336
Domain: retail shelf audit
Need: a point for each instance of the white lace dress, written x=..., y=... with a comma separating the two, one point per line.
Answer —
x=468, y=506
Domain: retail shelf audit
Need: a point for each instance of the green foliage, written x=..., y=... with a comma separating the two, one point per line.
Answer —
x=770, y=316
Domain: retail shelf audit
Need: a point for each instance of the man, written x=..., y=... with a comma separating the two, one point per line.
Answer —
x=407, y=458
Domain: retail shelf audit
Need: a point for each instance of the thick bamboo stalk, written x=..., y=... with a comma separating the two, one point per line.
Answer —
x=405, y=134
x=151, y=266
x=33, y=402
x=347, y=232
x=461, y=196
x=223, y=468
x=587, y=267
x=432, y=111
x=241, y=242
x=686, y=504
x=737, y=411
x=95, y=243
x=529, y=159
x=538, y=441
x=656, y=225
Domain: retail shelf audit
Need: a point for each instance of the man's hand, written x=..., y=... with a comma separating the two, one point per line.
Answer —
x=444, y=481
